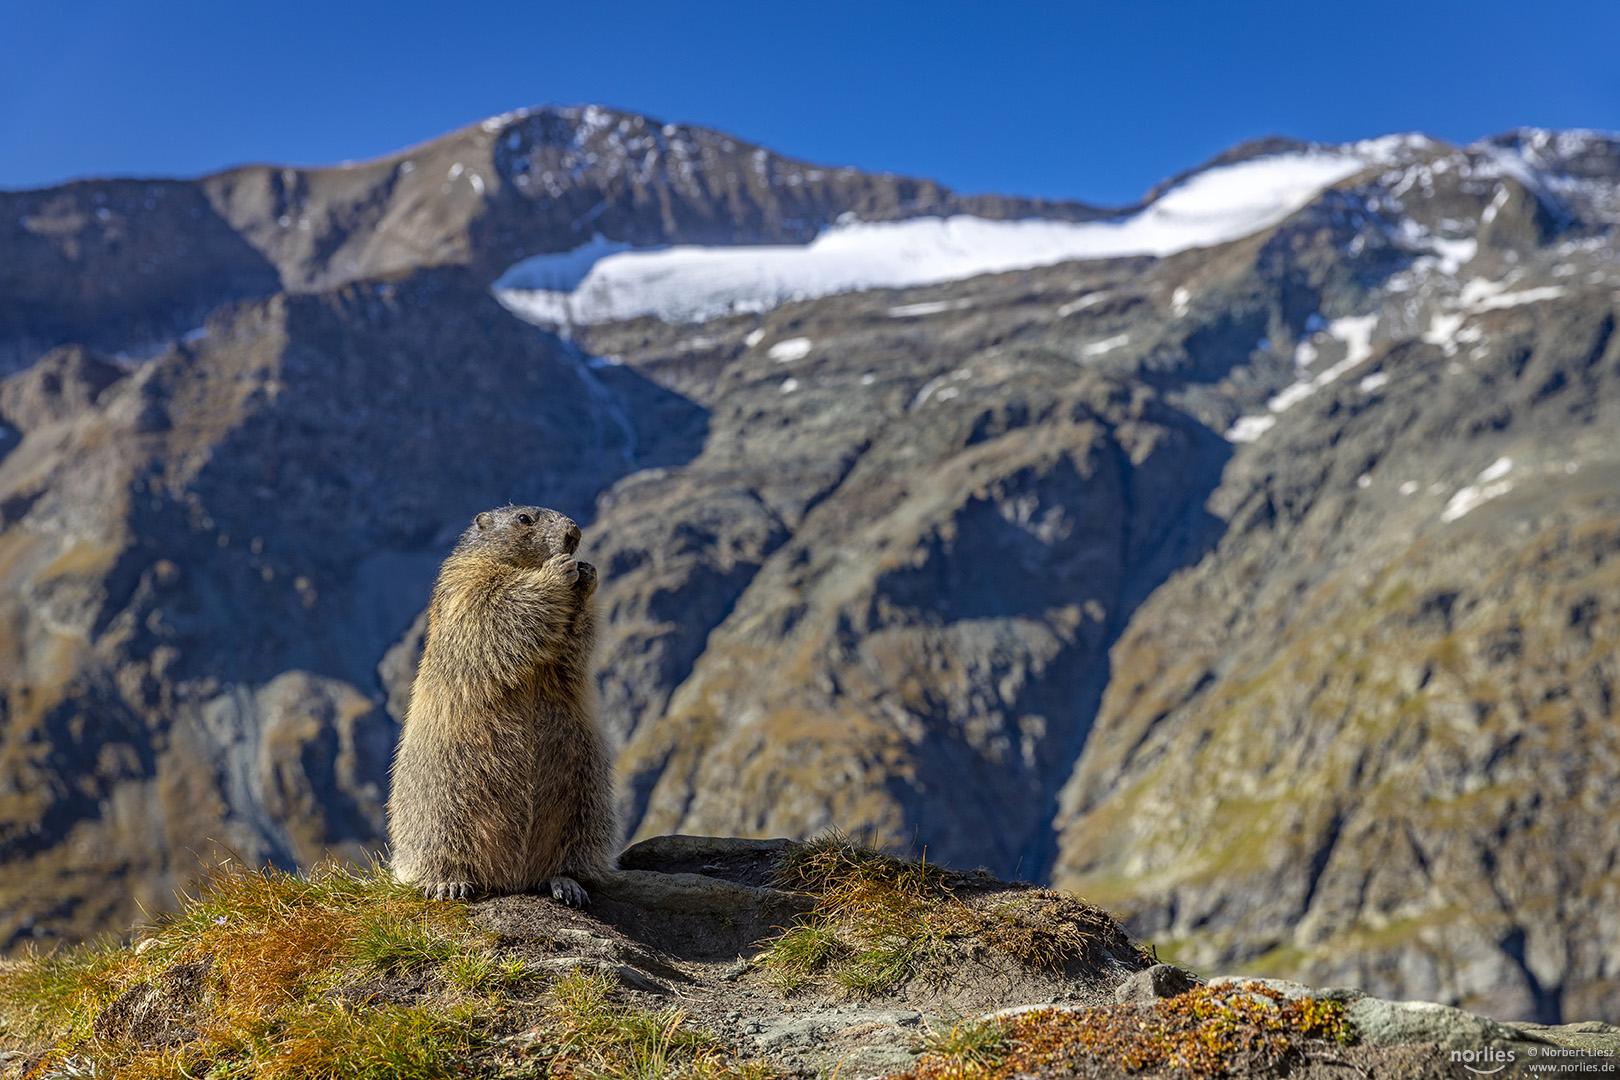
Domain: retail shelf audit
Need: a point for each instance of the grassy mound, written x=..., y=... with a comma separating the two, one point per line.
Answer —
x=880, y=921
x=342, y=974
x=334, y=974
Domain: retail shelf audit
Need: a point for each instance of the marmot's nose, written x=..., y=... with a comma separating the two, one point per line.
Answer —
x=571, y=538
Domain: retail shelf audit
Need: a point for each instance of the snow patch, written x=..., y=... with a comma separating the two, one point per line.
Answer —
x=1481, y=295
x=794, y=348
x=1376, y=381
x=939, y=383
x=1514, y=299
x=1454, y=253
x=691, y=283
x=1488, y=215
x=562, y=272
x=1355, y=331
x=1473, y=496
x=1081, y=304
x=1490, y=484
x=1250, y=428
x=1443, y=329
x=928, y=307
x=1106, y=345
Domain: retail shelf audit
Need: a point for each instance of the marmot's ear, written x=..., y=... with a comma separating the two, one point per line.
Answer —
x=483, y=520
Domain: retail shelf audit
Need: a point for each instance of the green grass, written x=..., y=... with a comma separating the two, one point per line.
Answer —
x=969, y=1046
x=45, y=993
x=331, y=1043
x=395, y=948
x=802, y=954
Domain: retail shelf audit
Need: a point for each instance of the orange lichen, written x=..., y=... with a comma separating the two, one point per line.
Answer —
x=1207, y=1032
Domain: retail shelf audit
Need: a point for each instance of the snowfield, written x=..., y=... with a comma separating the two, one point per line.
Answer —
x=603, y=281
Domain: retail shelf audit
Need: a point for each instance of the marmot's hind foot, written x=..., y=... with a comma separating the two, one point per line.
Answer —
x=568, y=890
x=448, y=890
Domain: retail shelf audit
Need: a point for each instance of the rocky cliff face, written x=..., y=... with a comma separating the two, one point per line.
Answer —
x=1263, y=589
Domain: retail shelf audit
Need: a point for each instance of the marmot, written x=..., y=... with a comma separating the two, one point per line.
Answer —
x=501, y=780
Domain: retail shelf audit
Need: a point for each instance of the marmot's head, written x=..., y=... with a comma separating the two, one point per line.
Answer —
x=524, y=535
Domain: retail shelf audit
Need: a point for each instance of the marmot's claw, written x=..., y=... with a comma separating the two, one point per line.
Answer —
x=448, y=890
x=586, y=582
x=568, y=568
x=568, y=891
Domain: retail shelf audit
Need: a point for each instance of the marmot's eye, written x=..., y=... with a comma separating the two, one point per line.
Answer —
x=525, y=519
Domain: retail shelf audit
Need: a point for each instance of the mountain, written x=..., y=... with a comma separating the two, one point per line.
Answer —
x=1243, y=559
x=128, y=264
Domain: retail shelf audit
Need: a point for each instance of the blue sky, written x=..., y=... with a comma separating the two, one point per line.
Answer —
x=1093, y=101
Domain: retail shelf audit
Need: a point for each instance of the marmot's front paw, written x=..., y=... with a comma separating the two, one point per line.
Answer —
x=566, y=569
x=448, y=890
x=568, y=890
x=586, y=582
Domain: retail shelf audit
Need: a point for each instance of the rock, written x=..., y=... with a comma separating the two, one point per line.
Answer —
x=62, y=384
x=741, y=861
x=160, y=1012
x=1395, y=1023
x=678, y=913
x=715, y=917
x=856, y=1041
x=1588, y=1035
x=1158, y=981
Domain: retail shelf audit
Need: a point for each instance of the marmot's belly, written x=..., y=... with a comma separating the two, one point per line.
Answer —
x=562, y=769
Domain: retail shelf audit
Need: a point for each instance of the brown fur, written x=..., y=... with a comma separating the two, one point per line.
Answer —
x=501, y=780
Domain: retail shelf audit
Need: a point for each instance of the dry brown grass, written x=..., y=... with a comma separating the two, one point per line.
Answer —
x=268, y=948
